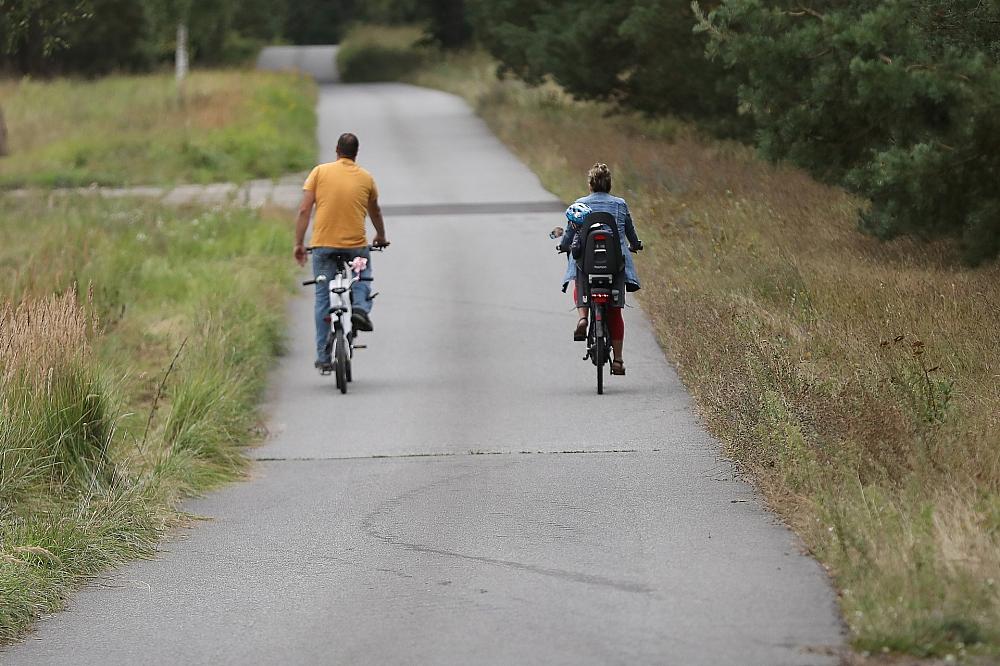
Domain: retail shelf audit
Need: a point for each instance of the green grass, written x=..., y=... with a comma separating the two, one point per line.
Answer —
x=856, y=382
x=133, y=130
x=103, y=295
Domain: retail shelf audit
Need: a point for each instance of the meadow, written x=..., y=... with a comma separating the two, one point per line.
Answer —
x=229, y=125
x=855, y=382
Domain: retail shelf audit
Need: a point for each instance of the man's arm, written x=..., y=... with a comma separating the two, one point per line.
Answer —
x=375, y=212
x=301, y=224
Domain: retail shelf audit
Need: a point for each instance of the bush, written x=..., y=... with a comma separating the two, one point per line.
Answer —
x=380, y=53
x=898, y=100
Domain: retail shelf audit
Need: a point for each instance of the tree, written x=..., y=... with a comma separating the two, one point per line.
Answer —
x=31, y=31
x=447, y=23
x=640, y=54
x=319, y=21
x=898, y=100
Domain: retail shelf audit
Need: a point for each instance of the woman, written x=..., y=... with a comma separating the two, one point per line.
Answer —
x=600, y=200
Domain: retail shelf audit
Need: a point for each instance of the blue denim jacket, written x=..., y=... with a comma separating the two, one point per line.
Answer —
x=602, y=202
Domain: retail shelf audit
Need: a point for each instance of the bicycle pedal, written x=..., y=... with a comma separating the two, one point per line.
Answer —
x=360, y=346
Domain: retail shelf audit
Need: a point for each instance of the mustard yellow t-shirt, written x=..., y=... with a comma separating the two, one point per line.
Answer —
x=343, y=191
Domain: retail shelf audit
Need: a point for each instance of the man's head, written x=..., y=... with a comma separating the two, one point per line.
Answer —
x=347, y=146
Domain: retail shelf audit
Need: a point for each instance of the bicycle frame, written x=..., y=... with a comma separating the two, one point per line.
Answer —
x=340, y=300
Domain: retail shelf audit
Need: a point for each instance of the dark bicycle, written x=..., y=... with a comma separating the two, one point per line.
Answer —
x=600, y=270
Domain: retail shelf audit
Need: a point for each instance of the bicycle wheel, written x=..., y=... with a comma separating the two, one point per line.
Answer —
x=350, y=359
x=340, y=361
x=599, y=348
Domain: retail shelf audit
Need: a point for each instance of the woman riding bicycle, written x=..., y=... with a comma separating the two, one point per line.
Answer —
x=600, y=200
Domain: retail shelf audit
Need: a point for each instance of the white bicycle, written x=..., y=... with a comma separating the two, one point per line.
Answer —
x=340, y=343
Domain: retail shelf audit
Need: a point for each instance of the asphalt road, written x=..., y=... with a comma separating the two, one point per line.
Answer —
x=471, y=500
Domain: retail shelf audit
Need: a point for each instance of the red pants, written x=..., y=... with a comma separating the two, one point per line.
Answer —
x=616, y=324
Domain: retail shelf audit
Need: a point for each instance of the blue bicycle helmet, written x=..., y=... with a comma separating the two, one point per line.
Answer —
x=577, y=212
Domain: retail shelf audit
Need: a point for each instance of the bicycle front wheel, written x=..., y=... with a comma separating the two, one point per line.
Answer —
x=340, y=361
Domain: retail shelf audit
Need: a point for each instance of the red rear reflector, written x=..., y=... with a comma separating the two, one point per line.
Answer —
x=327, y=319
x=600, y=237
x=600, y=298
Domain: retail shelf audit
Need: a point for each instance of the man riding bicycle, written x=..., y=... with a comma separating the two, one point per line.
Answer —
x=343, y=194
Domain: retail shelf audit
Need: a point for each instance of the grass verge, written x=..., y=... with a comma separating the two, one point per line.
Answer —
x=132, y=130
x=98, y=439
x=856, y=381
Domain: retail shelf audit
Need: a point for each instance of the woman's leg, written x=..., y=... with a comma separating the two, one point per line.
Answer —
x=616, y=326
x=582, y=312
x=580, y=332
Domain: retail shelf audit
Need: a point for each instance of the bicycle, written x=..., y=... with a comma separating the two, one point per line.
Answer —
x=603, y=268
x=340, y=342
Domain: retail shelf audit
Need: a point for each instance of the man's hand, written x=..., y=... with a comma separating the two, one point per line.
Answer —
x=300, y=254
x=380, y=241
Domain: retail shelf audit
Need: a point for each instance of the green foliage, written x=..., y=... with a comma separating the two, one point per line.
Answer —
x=32, y=30
x=447, y=23
x=899, y=100
x=380, y=53
x=642, y=54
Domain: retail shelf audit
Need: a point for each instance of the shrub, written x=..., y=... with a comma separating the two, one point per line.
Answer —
x=380, y=53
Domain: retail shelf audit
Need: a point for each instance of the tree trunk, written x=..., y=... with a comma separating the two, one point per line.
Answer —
x=181, y=60
x=3, y=135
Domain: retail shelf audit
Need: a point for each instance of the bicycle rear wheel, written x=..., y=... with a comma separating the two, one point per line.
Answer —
x=601, y=352
x=340, y=361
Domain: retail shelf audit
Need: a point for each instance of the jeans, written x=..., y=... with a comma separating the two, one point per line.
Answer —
x=324, y=264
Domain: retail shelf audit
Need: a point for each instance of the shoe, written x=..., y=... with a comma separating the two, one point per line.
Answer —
x=361, y=321
x=580, y=334
x=325, y=367
x=618, y=367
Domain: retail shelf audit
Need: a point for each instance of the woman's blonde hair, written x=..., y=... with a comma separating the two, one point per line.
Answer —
x=599, y=177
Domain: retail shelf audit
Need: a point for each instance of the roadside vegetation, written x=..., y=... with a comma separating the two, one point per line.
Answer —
x=135, y=343
x=856, y=381
x=381, y=53
x=135, y=130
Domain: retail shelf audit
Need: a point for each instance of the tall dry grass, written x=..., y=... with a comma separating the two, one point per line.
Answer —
x=56, y=423
x=856, y=381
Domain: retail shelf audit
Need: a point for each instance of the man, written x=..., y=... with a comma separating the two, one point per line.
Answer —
x=343, y=193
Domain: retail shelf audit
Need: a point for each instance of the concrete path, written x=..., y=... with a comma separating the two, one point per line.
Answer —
x=471, y=500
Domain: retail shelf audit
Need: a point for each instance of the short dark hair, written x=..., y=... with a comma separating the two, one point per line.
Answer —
x=347, y=145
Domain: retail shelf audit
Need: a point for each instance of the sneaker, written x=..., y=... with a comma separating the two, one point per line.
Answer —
x=361, y=321
x=325, y=367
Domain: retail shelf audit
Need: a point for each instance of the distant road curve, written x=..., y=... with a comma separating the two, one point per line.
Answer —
x=317, y=61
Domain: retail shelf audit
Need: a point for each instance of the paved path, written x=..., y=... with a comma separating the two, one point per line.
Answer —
x=471, y=500
x=285, y=192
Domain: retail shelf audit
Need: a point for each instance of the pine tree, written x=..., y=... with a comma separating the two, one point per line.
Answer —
x=898, y=100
